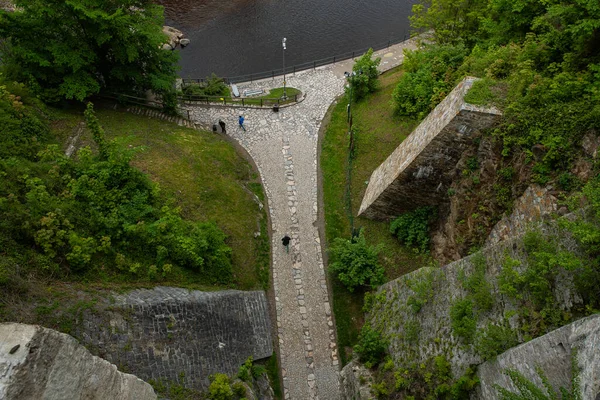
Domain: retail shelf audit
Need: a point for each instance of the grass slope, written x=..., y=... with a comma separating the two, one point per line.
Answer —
x=205, y=175
x=207, y=178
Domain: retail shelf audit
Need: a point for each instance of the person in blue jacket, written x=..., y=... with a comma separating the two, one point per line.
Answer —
x=241, y=122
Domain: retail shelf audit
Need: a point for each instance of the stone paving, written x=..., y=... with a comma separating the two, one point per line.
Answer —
x=284, y=147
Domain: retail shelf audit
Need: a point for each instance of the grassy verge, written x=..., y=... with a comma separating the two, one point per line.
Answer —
x=378, y=133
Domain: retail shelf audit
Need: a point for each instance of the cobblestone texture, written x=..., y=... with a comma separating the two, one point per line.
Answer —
x=419, y=171
x=180, y=335
x=284, y=147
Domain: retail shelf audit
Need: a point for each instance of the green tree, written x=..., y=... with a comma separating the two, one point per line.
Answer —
x=365, y=76
x=356, y=263
x=452, y=21
x=73, y=49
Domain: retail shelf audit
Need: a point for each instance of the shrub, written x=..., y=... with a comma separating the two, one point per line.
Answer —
x=220, y=387
x=494, y=340
x=370, y=347
x=212, y=86
x=463, y=320
x=365, y=77
x=412, y=228
x=422, y=286
x=245, y=372
x=356, y=263
x=480, y=290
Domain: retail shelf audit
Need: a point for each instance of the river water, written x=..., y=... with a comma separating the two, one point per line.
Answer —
x=239, y=37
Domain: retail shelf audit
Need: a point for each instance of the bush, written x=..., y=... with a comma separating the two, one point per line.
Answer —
x=356, y=263
x=480, y=290
x=463, y=320
x=494, y=340
x=412, y=228
x=220, y=387
x=370, y=347
x=212, y=86
x=365, y=77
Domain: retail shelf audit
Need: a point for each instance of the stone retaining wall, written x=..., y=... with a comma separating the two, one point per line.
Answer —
x=419, y=335
x=420, y=170
x=179, y=335
x=555, y=354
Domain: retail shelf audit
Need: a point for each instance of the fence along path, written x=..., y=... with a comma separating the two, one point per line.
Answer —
x=284, y=147
x=292, y=69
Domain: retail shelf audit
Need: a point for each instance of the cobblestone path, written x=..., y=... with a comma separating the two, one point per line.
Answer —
x=284, y=147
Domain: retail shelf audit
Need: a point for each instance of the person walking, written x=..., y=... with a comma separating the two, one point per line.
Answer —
x=241, y=122
x=286, y=242
x=222, y=125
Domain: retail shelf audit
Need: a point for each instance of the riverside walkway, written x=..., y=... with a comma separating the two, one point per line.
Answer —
x=284, y=147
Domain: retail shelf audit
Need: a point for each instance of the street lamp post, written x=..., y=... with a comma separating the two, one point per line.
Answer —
x=283, y=44
x=350, y=77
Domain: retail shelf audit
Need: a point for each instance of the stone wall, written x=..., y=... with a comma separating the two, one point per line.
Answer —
x=555, y=353
x=38, y=363
x=532, y=206
x=179, y=335
x=418, y=334
x=420, y=170
x=356, y=381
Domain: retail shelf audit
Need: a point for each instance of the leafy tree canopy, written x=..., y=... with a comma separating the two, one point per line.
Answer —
x=73, y=49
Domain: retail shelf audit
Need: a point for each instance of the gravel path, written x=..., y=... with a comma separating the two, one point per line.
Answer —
x=284, y=147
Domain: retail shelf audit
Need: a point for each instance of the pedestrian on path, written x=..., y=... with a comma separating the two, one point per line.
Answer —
x=222, y=125
x=286, y=242
x=241, y=122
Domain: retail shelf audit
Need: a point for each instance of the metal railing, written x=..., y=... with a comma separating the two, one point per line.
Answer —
x=301, y=67
x=135, y=100
x=234, y=101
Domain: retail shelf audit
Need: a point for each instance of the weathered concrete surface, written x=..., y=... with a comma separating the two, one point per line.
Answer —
x=419, y=336
x=532, y=206
x=179, y=335
x=41, y=364
x=554, y=353
x=420, y=170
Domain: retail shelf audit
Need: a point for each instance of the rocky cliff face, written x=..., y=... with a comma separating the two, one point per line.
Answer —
x=41, y=364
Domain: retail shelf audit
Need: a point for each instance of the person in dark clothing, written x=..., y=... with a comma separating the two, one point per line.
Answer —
x=222, y=125
x=286, y=242
x=241, y=122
